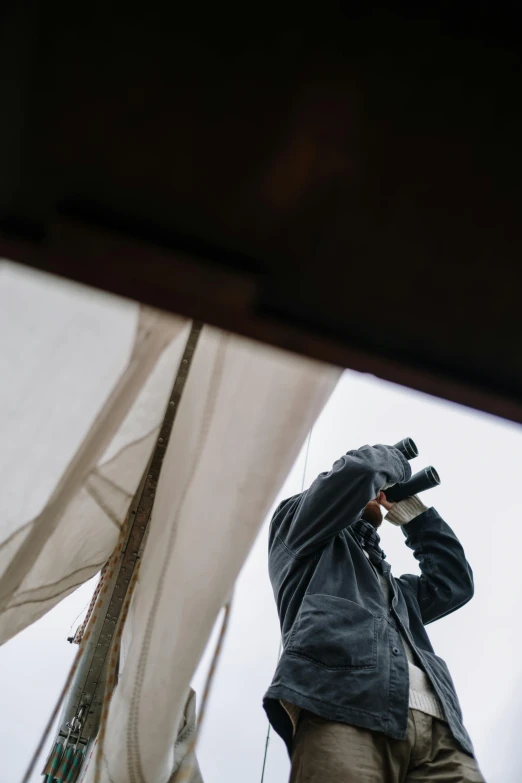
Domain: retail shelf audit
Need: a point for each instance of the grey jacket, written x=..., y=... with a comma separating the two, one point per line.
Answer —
x=342, y=654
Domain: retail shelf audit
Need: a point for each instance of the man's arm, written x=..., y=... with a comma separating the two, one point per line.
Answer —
x=336, y=499
x=446, y=581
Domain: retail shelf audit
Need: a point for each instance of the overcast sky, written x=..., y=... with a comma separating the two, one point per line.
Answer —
x=479, y=459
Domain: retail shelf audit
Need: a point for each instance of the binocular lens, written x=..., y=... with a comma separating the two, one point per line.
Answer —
x=420, y=482
x=432, y=476
x=407, y=448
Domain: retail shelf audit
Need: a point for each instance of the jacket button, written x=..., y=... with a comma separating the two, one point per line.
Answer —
x=395, y=650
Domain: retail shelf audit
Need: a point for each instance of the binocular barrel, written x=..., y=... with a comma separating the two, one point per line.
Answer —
x=407, y=448
x=421, y=481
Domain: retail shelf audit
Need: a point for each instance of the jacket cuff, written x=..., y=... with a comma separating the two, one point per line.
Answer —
x=406, y=510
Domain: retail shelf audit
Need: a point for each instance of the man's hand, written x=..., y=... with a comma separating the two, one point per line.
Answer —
x=382, y=500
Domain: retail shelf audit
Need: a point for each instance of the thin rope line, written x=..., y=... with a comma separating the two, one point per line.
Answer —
x=306, y=458
x=213, y=666
x=269, y=725
x=83, y=625
x=188, y=763
x=79, y=615
x=280, y=638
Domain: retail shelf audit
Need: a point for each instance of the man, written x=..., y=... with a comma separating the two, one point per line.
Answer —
x=359, y=695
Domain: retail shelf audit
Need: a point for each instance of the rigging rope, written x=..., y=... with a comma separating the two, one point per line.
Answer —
x=81, y=629
x=77, y=618
x=280, y=639
x=184, y=772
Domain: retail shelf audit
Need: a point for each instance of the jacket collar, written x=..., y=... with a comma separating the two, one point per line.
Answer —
x=369, y=539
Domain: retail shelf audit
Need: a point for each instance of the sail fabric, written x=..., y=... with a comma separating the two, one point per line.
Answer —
x=89, y=377
x=85, y=379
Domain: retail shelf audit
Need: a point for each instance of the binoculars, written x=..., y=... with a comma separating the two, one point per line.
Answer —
x=424, y=479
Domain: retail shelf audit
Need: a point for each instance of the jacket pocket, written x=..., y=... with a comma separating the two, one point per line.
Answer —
x=334, y=633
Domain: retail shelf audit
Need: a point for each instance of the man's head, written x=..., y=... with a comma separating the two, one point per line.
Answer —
x=372, y=513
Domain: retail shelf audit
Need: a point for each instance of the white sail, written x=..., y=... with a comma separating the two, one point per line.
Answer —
x=244, y=414
x=92, y=439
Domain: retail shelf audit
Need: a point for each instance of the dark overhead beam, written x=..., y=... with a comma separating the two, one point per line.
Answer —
x=346, y=184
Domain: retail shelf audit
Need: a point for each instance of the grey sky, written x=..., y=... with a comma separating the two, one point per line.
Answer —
x=478, y=458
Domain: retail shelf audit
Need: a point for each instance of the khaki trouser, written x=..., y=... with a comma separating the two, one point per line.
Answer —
x=328, y=752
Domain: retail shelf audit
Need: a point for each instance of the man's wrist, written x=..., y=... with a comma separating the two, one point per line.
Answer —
x=406, y=510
